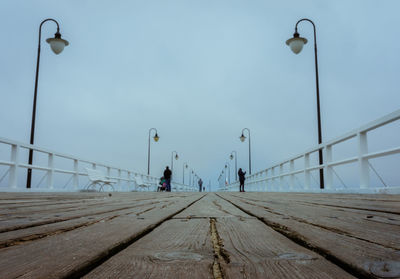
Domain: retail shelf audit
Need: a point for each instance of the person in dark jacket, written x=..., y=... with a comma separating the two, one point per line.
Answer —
x=167, y=176
x=241, y=179
x=200, y=184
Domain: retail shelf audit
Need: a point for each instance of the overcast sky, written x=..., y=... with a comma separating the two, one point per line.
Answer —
x=199, y=72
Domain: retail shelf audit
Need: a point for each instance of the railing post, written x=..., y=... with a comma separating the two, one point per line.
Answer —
x=273, y=178
x=135, y=184
x=50, y=172
x=119, y=179
x=266, y=180
x=362, y=162
x=328, y=169
x=13, y=176
x=307, y=176
x=76, y=174
x=281, y=180
x=129, y=180
x=291, y=175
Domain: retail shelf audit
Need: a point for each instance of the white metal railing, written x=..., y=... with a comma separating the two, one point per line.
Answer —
x=176, y=186
x=126, y=179
x=275, y=178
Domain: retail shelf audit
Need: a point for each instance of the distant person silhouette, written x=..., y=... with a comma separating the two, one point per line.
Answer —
x=241, y=179
x=167, y=176
x=200, y=184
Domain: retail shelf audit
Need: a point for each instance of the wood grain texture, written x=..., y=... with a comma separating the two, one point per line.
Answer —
x=375, y=227
x=257, y=251
x=58, y=213
x=62, y=254
x=179, y=248
x=366, y=257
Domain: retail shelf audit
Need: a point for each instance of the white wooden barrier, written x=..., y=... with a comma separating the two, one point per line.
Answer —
x=274, y=178
x=17, y=180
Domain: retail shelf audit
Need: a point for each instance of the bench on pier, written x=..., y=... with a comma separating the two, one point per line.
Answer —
x=141, y=184
x=97, y=178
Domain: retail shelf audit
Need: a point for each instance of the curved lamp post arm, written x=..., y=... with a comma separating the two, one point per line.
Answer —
x=183, y=172
x=148, y=154
x=315, y=32
x=172, y=162
x=229, y=172
x=248, y=131
x=40, y=28
x=172, y=159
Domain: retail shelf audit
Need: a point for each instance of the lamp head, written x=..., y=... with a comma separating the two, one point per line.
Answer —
x=231, y=157
x=296, y=43
x=57, y=44
x=186, y=166
x=156, y=138
x=176, y=156
x=242, y=138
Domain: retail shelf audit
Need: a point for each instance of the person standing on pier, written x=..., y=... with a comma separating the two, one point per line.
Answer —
x=241, y=179
x=200, y=184
x=167, y=176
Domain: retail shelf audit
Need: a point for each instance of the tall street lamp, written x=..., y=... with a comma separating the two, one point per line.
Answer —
x=185, y=165
x=231, y=157
x=156, y=138
x=296, y=45
x=190, y=177
x=229, y=171
x=172, y=161
x=57, y=45
x=242, y=139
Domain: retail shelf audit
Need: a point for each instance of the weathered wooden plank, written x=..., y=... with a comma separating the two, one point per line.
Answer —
x=16, y=237
x=380, y=203
x=366, y=258
x=179, y=248
x=65, y=204
x=376, y=227
x=66, y=253
x=58, y=215
x=253, y=250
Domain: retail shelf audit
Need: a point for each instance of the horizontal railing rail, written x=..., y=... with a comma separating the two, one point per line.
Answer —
x=15, y=178
x=274, y=177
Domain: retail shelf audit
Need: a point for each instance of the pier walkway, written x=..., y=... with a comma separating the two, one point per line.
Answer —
x=199, y=235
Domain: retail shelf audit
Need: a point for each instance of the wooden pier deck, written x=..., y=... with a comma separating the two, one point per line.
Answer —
x=199, y=235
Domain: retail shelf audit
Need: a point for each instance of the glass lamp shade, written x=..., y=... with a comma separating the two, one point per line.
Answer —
x=156, y=138
x=57, y=44
x=186, y=166
x=176, y=157
x=231, y=157
x=296, y=44
x=242, y=138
